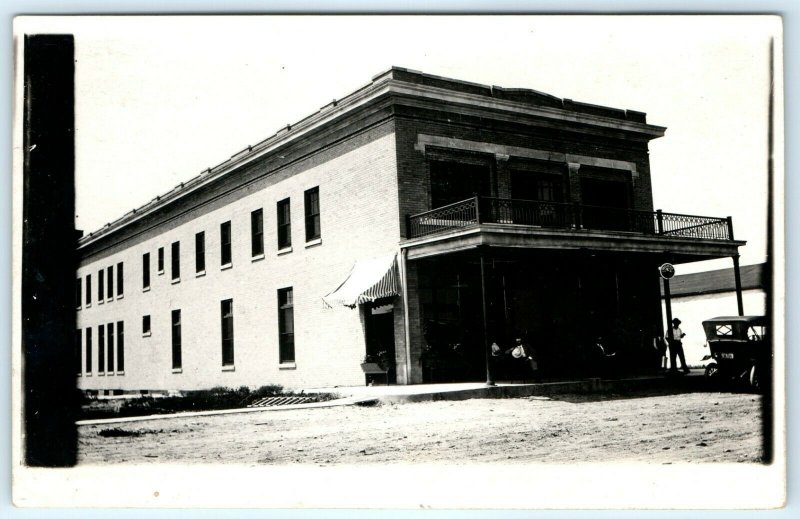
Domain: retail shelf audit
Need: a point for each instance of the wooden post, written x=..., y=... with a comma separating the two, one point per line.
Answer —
x=660, y=219
x=668, y=306
x=486, y=345
x=738, y=280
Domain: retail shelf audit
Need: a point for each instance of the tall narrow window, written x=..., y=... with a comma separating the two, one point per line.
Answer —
x=227, y=332
x=88, y=350
x=110, y=341
x=78, y=351
x=146, y=270
x=100, y=288
x=177, y=361
x=120, y=346
x=313, y=229
x=200, y=252
x=78, y=292
x=176, y=260
x=88, y=289
x=225, y=241
x=110, y=282
x=257, y=232
x=286, y=324
x=120, y=280
x=161, y=260
x=146, y=325
x=101, y=349
x=284, y=224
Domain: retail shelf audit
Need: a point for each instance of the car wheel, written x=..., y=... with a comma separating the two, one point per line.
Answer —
x=755, y=378
x=712, y=370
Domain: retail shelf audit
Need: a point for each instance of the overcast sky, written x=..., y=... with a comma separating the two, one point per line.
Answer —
x=160, y=99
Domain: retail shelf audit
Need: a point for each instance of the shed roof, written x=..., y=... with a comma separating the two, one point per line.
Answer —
x=715, y=281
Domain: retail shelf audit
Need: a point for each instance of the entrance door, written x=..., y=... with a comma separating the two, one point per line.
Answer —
x=380, y=337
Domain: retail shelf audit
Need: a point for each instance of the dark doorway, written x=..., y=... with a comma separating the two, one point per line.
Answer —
x=455, y=181
x=379, y=324
x=608, y=201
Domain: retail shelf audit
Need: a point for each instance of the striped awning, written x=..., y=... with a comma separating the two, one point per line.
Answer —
x=369, y=279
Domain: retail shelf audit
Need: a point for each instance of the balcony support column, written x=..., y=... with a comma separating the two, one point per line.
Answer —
x=485, y=304
x=502, y=185
x=574, y=182
x=737, y=278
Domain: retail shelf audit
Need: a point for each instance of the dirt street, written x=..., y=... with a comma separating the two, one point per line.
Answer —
x=694, y=427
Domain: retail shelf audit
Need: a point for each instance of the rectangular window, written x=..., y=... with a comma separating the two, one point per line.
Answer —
x=101, y=349
x=120, y=280
x=88, y=289
x=200, y=252
x=120, y=346
x=78, y=292
x=146, y=270
x=161, y=260
x=286, y=324
x=110, y=282
x=284, y=224
x=88, y=350
x=110, y=339
x=227, y=332
x=146, y=325
x=176, y=260
x=78, y=351
x=177, y=361
x=257, y=232
x=100, y=288
x=313, y=230
x=225, y=241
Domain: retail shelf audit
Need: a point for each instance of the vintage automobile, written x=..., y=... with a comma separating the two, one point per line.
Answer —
x=739, y=349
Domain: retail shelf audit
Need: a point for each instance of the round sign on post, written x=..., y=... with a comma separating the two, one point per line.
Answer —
x=666, y=270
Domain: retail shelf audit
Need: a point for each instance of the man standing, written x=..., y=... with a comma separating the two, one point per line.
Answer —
x=676, y=347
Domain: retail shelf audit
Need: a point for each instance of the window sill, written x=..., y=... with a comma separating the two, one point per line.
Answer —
x=88, y=306
x=177, y=370
x=120, y=296
x=160, y=272
x=100, y=302
x=200, y=274
x=109, y=299
x=147, y=334
x=120, y=373
x=146, y=289
x=78, y=308
x=175, y=281
x=101, y=374
x=226, y=266
x=88, y=375
x=313, y=243
x=285, y=250
x=80, y=374
x=287, y=365
x=257, y=257
x=110, y=374
x=229, y=368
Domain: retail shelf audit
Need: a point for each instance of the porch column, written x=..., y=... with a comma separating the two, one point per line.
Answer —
x=574, y=182
x=503, y=176
x=738, y=280
x=486, y=347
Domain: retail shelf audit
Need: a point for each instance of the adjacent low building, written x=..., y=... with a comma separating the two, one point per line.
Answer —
x=412, y=223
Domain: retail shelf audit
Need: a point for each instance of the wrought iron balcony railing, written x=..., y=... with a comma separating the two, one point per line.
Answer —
x=480, y=210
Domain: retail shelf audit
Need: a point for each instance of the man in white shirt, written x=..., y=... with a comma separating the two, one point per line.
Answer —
x=676, y=347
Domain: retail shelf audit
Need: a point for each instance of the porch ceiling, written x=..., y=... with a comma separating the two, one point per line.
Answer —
x=680, y=250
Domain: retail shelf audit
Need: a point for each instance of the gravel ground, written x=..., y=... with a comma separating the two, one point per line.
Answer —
x=693, y=427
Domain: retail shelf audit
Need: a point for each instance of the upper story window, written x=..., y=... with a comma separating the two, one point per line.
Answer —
x=453, y=181
x=100, y=286
x=200, y=252
x=120, y=280
x=313, y=228
x=257, y=232
x=175, y=257
x=161, y=260
x=225, y=242
x=110, y=282
x=78, y=292
x=284, y=224
x=146, y=270
x=88, y=289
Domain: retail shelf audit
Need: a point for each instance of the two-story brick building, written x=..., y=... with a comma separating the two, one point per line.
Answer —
x=419, y=216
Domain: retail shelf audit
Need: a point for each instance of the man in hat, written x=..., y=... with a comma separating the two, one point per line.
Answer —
x=676, y=347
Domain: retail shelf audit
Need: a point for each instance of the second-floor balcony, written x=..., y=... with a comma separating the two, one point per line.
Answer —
x=478, y=211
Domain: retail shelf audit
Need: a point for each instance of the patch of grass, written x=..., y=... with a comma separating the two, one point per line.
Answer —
x=216, y=398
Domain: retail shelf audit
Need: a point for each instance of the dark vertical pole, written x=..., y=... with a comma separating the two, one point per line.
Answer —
x=486, y=345
x=49, y=242
x=668, y=306
x=660, y=221
x=737, y=277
